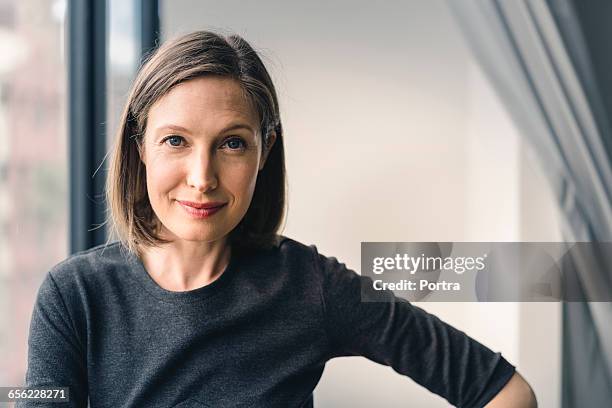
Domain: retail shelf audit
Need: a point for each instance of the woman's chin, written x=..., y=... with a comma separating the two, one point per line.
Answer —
x=198, y=235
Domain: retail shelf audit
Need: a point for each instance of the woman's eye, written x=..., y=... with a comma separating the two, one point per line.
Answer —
x=235, y=144
x=174, y=141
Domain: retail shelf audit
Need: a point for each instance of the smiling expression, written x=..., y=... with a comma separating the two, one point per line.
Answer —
x=202, y=145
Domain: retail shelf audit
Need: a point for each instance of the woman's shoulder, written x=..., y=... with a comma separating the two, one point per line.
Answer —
x=284, y=254
x=295, y=250
x=307, y=255
x=93, y=262
x=73, y=282
x=287, y=244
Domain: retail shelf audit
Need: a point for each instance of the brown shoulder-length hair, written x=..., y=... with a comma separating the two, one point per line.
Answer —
x=193, y=55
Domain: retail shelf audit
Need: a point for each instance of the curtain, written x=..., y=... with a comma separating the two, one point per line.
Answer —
x=535, y=53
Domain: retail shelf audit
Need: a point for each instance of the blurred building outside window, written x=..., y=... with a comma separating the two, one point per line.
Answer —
x=33, y=166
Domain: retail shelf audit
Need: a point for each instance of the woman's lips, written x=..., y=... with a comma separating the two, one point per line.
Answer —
x=206, y=209
x=210, y=204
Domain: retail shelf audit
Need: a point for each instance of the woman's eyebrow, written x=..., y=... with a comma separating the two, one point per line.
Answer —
x=171, y=126
x=237, y=126
x=231, y=127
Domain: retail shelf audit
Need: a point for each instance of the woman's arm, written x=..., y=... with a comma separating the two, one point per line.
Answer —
x=516, y=394
x=55, y=354
x=396, y=333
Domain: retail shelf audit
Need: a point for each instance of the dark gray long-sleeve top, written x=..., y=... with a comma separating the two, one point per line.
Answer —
x=258, y=336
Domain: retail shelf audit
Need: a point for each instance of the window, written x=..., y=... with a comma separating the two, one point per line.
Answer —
x=33, y=166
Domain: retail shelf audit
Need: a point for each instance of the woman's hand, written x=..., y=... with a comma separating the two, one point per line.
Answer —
x=517, y=394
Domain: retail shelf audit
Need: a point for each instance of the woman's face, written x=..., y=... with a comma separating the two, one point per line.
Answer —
x=201, y=145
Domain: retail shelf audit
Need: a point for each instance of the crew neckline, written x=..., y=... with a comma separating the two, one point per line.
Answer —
x=202, y=293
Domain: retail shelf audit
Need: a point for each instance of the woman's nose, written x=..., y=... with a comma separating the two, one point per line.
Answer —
x=202, y=174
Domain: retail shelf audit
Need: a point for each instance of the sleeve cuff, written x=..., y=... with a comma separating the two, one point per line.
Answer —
x=500, y=376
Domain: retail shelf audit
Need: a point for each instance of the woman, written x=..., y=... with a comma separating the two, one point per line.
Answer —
x=200, y=303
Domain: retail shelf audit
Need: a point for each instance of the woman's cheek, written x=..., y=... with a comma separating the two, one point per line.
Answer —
x=248, y=181
x=161, y=176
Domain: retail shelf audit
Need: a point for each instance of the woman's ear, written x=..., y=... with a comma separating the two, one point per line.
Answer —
x=267, y=147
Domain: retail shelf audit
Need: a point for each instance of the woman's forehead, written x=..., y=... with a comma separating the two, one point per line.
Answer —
x=203, y=102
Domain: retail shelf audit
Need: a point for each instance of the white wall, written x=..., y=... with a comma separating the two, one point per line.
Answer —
x=509, y=200
x=392, y=134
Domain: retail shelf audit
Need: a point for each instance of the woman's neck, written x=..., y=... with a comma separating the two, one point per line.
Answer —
x=186, y=265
